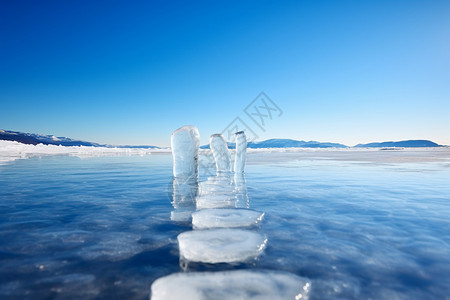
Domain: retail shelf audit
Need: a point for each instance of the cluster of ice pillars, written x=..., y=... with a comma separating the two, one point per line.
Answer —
x=225, y=230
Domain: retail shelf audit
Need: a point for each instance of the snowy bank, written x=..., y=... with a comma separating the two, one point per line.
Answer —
x=11, y=150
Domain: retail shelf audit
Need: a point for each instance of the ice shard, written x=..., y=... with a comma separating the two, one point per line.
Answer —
x=241, y=152
x=219, y=149
x=236, y=285
x=185, y=144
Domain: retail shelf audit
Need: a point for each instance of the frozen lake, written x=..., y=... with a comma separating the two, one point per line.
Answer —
x=358, y=224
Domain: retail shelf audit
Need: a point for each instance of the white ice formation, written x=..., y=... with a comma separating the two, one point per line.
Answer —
x=236, y=285
x=185, y=143
x=219, y=149
x=221, y=221
x=241, y=152
x=220, y=245
x=225, y=218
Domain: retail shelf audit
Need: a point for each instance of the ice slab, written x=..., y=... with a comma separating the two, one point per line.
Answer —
x=221, y=245
x=236, y=285
x=219, y=149
x=241, y=152
x=226, y=218
x=185, y=143
x=216, y=201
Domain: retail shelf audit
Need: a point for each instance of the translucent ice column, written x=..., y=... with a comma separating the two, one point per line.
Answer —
x=219, y=149
x=241, y=152
x=185, y=143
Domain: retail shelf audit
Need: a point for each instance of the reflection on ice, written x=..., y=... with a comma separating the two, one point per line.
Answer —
x=236, y=285
x=185, y=190
x=226, y=218
x=207, y=188
x=221, y=192
x=220, y=245
x=216, y=201
x=241, y=190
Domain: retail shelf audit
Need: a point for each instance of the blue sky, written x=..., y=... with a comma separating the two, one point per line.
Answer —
x=131, y=72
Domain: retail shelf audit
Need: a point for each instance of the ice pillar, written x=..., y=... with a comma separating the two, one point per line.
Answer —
x=185, y=143
x=219, y=149
x=241, y=152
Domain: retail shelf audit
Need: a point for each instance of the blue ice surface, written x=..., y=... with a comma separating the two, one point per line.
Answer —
x=100, y=228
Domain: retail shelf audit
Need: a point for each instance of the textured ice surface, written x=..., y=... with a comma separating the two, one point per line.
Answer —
x=241, y=152
x=219, y=149
x=236, y=285
x=360, y=230
x=185, y=142
x=226, y=218
x=220, y=245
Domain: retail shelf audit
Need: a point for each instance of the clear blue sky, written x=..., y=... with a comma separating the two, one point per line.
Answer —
x=131, y=72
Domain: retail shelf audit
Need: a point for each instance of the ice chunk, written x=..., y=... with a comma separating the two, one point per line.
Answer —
x=241, y=152
x=226, y=218
x=185, y=144
x=216, y=201
x=219, y=149
x=236, y=285
x=220, y=245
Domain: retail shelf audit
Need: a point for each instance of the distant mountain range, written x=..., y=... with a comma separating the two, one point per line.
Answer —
x=288, y=143
x=285, y=143
x=404, y=144
x=34, y=139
